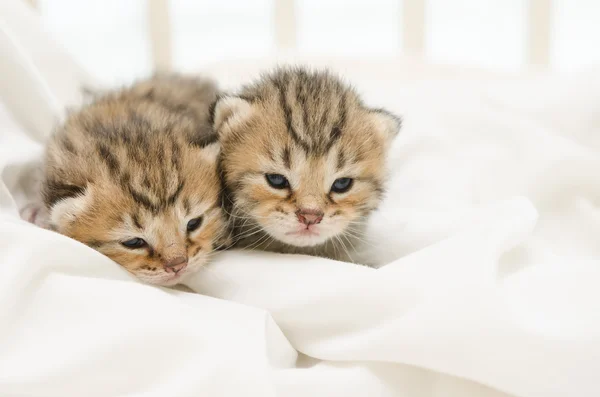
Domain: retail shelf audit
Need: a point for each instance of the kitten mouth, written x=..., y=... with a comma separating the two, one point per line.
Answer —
x=303, y=232
x=306, y=237
x=172, y=279
x=164, y=279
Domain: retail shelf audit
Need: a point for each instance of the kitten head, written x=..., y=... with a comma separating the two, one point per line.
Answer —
x=302, y=157
x=137, y=183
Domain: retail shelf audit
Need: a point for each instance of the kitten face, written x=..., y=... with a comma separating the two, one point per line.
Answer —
x=303, y=159
x=158, y=246
x=133, y=180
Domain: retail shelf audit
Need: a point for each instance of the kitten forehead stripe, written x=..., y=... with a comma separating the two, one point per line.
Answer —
x=287, y=161
x=341, y=159
x=136, y=220
x=336, y=131
x=144, y=200
x=171, y=199
x=343, y=112
x=334, y=136
x=302, y=100
x=287, y=112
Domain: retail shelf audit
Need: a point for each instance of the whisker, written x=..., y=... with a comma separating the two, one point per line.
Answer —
x=258, y=242
x=237, y=211
x=362, y=240
x=270, y=241
x=343, y=246
x=349, y=241
x=243, y=236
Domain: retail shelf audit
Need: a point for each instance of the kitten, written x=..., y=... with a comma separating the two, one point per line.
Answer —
x=303, y=162
x=134, y=175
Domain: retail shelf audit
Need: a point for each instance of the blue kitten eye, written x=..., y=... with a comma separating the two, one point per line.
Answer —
x=277, y=181
x=194, y=224
x=342, y=185
x=134, y=243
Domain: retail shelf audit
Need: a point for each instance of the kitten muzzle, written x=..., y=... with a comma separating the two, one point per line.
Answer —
x=309, y=217
x=175, y=265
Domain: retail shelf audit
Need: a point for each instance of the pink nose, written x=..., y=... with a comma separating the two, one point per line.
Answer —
x=175, y=265
x=309, y=217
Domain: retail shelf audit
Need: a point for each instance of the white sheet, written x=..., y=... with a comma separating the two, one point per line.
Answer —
x=492, y=212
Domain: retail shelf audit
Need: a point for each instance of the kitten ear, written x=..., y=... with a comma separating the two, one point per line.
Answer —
x=211, y=151
x=386, y=123
x=65, y=211
x=228, y=112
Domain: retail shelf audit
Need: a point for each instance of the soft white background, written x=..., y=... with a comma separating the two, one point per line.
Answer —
x=109, y=37
x=493, y=215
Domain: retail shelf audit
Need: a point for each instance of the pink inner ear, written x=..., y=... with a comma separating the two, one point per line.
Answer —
x=230, y=111
x=67, y=210
x=386, y=123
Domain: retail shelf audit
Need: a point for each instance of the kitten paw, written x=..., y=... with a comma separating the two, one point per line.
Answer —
x=36, y=214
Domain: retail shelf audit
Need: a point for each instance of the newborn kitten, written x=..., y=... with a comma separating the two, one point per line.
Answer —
x=134, y=176
x=303, y=162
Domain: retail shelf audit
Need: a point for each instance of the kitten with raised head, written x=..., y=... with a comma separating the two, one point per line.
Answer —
x=133, y=175
x=303, y=162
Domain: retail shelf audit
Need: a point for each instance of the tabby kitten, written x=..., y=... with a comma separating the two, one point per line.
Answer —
x=133, y=174
x=303, y=162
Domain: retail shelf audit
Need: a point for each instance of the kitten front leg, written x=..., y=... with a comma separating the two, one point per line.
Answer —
x=37, y=214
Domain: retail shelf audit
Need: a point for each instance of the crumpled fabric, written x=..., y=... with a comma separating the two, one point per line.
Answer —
x=488, y=284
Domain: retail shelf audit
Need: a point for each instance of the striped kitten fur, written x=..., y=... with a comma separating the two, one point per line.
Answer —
x=303, y=163
x=133, y=174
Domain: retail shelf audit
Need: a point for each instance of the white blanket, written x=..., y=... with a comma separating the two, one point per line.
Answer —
x=490, y=229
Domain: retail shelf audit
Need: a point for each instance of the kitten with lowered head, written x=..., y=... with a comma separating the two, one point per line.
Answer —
x=133, y=175
x=303, y=162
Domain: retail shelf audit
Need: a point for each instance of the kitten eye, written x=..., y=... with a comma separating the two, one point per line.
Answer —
x=277, y=181
x=342, y=185
x=194, y=224
x=134, y=243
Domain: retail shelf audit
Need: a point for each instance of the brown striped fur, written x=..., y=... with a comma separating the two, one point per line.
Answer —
x=141, y=163
x=312, y=128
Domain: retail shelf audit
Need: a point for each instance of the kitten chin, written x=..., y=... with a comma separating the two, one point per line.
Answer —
x=133, y=174
x=302, y=162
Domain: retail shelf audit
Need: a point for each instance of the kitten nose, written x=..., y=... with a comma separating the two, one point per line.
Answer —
x=175, y=265
x=309, y=217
